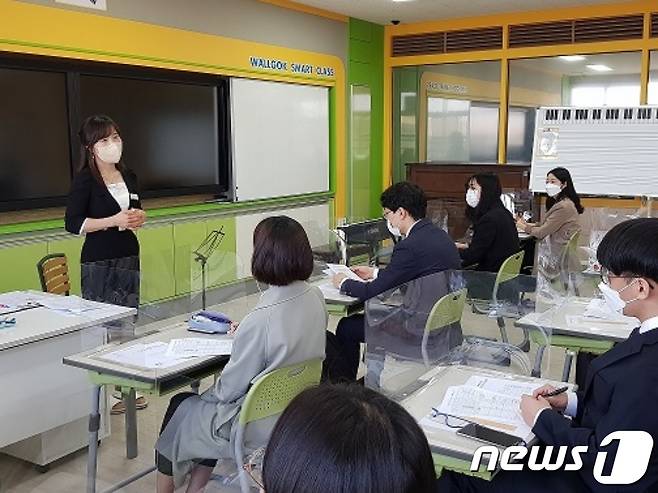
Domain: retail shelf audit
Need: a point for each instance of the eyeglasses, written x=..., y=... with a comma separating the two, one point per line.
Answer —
x=450, y=420
x=7, y=322
x=254, y=474
x=606, y=276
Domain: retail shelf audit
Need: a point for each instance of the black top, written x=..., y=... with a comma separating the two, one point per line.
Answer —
x=620, y=393
x=495, y=238
x=425, y=251
x=90, y=199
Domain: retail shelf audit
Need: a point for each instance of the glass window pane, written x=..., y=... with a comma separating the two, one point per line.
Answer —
x=653, y=79
x=461, y=106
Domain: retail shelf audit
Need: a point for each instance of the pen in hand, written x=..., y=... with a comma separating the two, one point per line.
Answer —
x=555, y=392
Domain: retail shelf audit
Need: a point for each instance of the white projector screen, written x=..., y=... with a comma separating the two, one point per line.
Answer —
x=280, y=139
x=609, y=151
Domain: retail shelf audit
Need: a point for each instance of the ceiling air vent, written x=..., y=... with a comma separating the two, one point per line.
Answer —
x=654, y=25
x=608, y=28
x=490, y=38
x=577, y=31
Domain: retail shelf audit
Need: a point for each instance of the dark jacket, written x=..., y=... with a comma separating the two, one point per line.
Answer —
x=620, y=393
x=494, y=239
x=90, y=199
x=425, y=251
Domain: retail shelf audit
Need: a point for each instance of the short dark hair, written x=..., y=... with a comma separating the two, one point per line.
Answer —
x=569, y=191
x=406, y=195
x=282, y=252
x=631, y=247
x=490, y=193
x=350, y=439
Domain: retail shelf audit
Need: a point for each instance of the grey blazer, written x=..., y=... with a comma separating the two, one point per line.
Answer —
x=286, y=327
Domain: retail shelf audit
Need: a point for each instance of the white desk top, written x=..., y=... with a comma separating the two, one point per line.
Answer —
x=36, y=324
x=332, y=295
x=568, y=319
x=420, y=402
x=92, y=360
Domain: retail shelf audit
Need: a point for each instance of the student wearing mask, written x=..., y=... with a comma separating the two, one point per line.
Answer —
x=560, y=221
x=347, y=439
x=495, y=237
x=104, y=207
x=425, y=249
x=621, y=385
x=286, y=327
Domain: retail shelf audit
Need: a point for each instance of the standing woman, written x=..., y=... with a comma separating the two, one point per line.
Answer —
x=560, y=222
x=103, y=205
x=494, y=233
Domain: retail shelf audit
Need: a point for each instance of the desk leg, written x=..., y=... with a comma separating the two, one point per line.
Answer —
x=131, y=422
x=94, y=425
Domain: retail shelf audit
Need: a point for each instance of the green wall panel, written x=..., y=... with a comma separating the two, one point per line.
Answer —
x=222, y=266
x=406, y=85
x=366, y=69
x=19, y=266
x=71, y=248
x=157, y=263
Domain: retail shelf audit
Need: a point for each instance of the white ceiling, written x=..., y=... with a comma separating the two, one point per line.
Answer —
x=408, y=11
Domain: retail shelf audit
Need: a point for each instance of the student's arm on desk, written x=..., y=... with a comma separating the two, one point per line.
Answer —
x=628, y=410
x=247, y=360
x=399, y=270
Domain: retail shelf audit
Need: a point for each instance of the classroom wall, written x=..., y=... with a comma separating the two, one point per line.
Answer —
x=250, y=20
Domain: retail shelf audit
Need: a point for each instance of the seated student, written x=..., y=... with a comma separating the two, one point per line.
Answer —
x=494, y=233
x=424, y=250
x=347, y=439
x=287, y=326
x=621, y=386
x=560, y=222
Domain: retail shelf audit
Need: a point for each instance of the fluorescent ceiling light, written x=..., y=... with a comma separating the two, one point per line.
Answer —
x=572, y=58
x=599, y=68
x=397, y=1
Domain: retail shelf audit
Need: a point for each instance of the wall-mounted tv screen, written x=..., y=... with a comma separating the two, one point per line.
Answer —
x=34, y=138
x=169, y=130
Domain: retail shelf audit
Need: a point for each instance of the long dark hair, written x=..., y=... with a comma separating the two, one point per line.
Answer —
x=489, y=195
x=349, y=439
x=569, y=191
x=93, y=129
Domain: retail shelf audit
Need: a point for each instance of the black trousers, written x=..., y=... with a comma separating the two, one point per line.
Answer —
x=113, y=281
x=163, y=464
x=343, y=350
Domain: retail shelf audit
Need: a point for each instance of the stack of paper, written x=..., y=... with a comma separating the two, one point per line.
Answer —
x=342, y=269
x=150, y=356
x=492, y=402
x=193, y=347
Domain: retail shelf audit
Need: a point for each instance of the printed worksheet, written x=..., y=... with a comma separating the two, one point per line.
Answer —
x=194, y=347
x=506, y=386
x=343, y=269
x=150, y=356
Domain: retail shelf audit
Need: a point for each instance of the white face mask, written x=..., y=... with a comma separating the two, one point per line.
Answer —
x=110, y=152
x=392, y=229
x=612, y=298
x=552, y=189
x=472, y=198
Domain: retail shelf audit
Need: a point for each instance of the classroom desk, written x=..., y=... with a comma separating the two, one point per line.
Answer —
x=449, y=450
x=33, y=378
x=568, y=320
x=337, y=303
x=131, y=379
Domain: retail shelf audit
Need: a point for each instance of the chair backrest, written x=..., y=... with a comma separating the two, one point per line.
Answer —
x=272, y=393
x=570, y=251
x=509, y=269
x=448, y=310
x=54, y=274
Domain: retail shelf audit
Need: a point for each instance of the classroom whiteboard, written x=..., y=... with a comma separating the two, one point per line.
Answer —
x=280, y=139
x=609, y=151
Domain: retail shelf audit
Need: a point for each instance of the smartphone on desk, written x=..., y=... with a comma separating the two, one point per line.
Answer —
x=489, y=436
